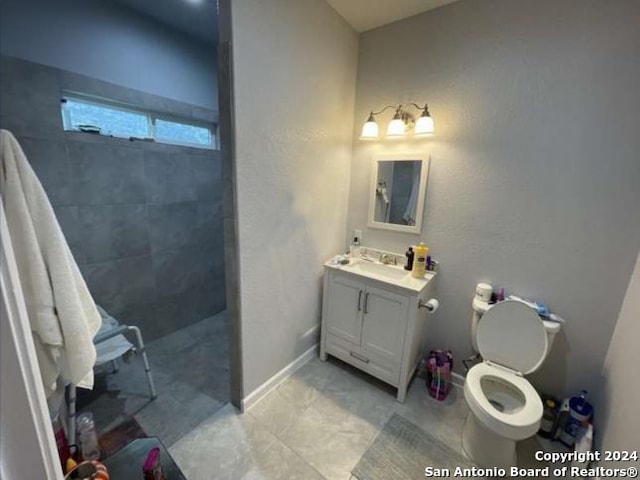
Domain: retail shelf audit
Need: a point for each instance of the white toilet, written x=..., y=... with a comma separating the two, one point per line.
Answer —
x=504, y=406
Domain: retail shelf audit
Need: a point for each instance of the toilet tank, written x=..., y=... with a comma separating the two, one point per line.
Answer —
x=479, y=308
x=552, y=329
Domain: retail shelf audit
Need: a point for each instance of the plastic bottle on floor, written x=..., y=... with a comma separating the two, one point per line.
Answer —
x=88, y=437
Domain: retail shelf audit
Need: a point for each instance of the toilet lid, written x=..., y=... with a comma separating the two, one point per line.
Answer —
x=511, y=334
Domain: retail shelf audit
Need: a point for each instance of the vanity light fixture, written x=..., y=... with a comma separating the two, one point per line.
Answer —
x=403, y=122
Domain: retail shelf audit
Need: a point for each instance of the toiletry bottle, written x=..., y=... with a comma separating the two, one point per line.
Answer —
x=88, y=437
x=580, y=412
x=354, y=249
x=561, y=420
x=549, y=414
x=420, y=261
x=408, y=265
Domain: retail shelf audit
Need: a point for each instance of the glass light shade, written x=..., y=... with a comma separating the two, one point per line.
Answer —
x=395, y=128
x=424, y=126
x=369, y=131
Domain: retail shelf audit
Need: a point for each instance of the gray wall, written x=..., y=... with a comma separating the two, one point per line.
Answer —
x=618, y=394
x=293, y=153
x=144, y=220
x=104, y=40
x=534, y=175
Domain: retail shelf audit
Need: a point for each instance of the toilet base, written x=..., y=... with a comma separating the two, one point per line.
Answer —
x=486, y=448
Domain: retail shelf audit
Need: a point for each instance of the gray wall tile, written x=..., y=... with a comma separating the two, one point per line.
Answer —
x=210, y=223
x=48, y=158
x=147, y=319
x=210, y=295
x=138, y=281
x=173, y=226
x=206, y=171
x=30, y=99
x=107, y=174
x=177, y=271
x=169, y=178
x=104, y=282
x=69, y=220
x=122, y=284
x=111, y=232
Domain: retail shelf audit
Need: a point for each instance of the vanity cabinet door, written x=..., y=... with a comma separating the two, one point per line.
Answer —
x=384, y=323
x=344, y=316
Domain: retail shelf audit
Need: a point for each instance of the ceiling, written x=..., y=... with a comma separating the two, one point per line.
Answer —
x=197, y=18
x=367, y=14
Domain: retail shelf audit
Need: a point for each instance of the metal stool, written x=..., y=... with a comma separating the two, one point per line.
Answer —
x=102, y=337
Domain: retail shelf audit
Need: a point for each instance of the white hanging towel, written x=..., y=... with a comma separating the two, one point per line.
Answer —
x=63, y=316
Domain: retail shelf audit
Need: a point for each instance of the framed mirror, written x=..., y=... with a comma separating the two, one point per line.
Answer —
x=397, y=192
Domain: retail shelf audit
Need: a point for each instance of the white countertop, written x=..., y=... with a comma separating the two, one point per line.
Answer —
x=394, y=275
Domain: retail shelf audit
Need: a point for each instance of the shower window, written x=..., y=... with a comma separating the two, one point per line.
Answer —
x=182, y=133
x=81, y=115
x=103, y=117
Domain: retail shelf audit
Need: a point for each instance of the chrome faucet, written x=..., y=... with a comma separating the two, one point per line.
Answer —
x=386, y=259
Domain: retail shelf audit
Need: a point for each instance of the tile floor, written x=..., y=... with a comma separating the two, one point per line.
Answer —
x=190, y=368
x=315, y=425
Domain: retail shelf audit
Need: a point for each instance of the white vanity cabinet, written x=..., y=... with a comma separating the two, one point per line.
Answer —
x=374, y=322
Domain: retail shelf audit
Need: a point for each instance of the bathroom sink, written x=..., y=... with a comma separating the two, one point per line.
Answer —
x=390, y=274
x=387, y=271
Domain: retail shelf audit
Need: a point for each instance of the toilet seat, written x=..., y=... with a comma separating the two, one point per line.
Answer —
x=516, y=426
x=511, y=334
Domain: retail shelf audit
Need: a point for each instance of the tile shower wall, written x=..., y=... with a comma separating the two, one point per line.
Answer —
x=143, y=220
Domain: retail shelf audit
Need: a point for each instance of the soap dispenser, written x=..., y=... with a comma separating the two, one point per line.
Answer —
x=354, y=248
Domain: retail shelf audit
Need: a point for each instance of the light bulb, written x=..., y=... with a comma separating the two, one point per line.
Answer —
x=369, y=129
x=424, y=127
x=395, y=128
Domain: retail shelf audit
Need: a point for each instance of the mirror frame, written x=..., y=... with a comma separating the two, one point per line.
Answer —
x=424, y=175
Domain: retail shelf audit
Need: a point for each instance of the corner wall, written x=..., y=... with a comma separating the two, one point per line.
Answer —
x=618, y=396
x=294, y=70
x=534, y=172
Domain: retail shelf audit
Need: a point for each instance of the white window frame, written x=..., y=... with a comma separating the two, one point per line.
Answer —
x=151, y=116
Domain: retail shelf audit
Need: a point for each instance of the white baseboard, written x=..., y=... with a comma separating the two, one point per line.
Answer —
x=259, y=393
x=457, y=379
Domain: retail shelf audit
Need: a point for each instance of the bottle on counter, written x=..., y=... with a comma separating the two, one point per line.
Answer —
x=420, y=261
x=408, y=265
x=354, y=248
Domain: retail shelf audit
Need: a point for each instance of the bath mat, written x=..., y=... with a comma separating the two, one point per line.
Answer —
x=402, y=450
x=120, y=436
